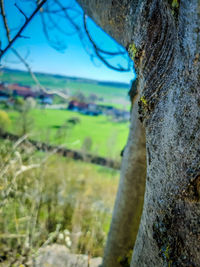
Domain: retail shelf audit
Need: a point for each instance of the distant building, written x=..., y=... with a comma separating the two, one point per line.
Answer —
x=3, y=96
x=18, y=90
x=46, y=99
x=95, y=110
x=84, y=108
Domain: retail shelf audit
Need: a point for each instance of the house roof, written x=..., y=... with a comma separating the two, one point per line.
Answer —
x=21, y=90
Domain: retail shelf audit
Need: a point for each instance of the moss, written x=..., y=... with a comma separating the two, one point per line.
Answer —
x=144, y=108
x=132, y=51
x=144, y=101
x=125, y=261
x=166, y=255
x=175, y=4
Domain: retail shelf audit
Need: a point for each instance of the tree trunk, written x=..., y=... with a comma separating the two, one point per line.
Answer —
x=130, y=196
x=163, y=37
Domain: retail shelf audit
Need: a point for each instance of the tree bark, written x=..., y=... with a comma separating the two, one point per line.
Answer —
x=163, y=36
x=129, y=201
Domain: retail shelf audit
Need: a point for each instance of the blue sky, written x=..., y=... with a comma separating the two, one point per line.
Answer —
x=72, y=61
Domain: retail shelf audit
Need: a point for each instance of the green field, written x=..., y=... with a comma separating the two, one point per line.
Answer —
x=110, y=94
x=106, y=138
x=98, y=135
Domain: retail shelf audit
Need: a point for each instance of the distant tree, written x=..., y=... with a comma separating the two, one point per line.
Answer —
x=79, y=96
x=19, y=104
x=93, y=97
x=4, y=121
x=25, y=121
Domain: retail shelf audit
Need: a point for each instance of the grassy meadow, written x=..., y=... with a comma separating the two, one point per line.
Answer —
x=53, y=199
x=106, y=138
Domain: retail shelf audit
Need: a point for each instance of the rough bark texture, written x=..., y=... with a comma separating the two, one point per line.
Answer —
x=129, y=201
x=164, y=38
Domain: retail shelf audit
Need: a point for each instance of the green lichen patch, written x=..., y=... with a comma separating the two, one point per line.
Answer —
x=132, y=51
x=175, y=4
x=169, y=245
x=144, y=108
x=144, y=101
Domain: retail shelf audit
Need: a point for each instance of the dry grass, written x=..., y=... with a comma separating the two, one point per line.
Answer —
x=51, y=199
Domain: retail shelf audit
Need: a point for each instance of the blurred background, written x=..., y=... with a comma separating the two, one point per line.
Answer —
x=64, y=121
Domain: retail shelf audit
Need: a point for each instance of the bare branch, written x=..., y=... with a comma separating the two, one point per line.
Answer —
x=23, y=36
x=77, y=28
x=83, y=33
x=25, y=168
x=98, y=52
x=96, y=48
x=22, y=28
x=54, y=43
x=5, y=21
x=49, y=22
x=55, y=10
x=56, y=25
x=21, y=11
x=19, y=141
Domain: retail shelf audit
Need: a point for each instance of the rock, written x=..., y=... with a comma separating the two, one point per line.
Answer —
x=59, y=256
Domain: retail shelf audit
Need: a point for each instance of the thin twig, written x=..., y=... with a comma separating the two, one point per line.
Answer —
x=21, y=11
x=22, y=28
x=5, y=20
x=98, y=48
x=25, y=169
x=40, y=86
x=77, y=28
x=25, y=37
x=19, y=141
x=57, y=26
x=98, y=52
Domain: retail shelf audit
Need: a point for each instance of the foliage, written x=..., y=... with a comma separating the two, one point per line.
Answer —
x=19, y=103
x=4, y=121
x=47, y=199
x=24, y=122
x=79, y=96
